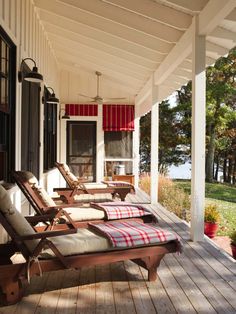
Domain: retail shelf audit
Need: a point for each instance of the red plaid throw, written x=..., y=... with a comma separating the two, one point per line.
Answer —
x=121, y=210
x=133, y=233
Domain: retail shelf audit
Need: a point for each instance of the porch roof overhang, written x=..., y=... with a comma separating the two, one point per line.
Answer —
x=131, y=42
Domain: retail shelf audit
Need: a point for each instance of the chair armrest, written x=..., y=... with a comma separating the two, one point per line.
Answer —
x=47, y=234
x=36, y=219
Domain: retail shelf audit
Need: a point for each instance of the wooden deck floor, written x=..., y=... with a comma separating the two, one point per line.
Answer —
x=200, y=280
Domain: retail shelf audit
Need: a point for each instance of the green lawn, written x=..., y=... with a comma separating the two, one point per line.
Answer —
x=225, y=197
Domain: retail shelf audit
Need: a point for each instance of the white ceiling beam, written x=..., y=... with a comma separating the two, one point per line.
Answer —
x=231, y=16
x=78, y=58
x=155, y=11
x=145, y=93
x=211, y=47
x=77, y=29
x=194, y=6
x=110, y=81
x=177, y=79
x=107, y=26
x=184, y=74
x=126, y=18
x=77, y=38
x=210, y=61
x=222, y=33
x=183, y=48
x=75, y=47
x=214, y=12
x=173, y=86
x=98, y=65
x=181, y=51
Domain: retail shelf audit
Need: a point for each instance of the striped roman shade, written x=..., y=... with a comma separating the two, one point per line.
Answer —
x=81, y=109
x=118, y=117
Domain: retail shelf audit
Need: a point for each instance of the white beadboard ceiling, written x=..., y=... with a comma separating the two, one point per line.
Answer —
x=129, y=40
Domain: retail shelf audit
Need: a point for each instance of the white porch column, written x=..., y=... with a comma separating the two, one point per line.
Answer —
x=198, y=135
x=100, y=147
x=136, y=142
x=154, y=144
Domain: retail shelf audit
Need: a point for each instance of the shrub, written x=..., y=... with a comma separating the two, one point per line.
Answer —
x=211, y=213
x=233, y=237
x=145, y=182
x=170, y=196
x=175, y=200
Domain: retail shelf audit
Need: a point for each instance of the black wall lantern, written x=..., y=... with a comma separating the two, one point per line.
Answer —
x=32, y=76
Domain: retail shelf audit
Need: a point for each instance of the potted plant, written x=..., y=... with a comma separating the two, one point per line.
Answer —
x=211, y=218
x=233, y=243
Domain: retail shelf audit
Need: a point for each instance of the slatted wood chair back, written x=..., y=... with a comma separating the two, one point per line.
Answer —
x=28, y=191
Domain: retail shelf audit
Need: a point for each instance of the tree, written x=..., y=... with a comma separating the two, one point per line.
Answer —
x=220, y=92
x=171, y=140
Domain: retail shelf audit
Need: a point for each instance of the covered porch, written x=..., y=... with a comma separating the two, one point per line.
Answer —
x=145, y=50
x=200, y=280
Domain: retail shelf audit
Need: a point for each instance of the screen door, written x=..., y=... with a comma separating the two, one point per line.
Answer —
x=81, y=148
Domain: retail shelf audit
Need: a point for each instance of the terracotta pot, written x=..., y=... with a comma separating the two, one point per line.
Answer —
x=210, y=229
x=233, y=248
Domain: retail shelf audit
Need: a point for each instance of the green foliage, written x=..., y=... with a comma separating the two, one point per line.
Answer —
x=224, y=196
x=211, y=213
x=216, y=191
x=175, y=123
x=233, y=237
x=171, y=139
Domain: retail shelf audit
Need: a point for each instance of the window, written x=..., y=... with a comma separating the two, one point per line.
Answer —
x=118, y=151
x=50, y=133
x=7, y=105
x=118, y=144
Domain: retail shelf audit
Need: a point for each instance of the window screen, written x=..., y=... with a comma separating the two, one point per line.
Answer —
x=118, y=144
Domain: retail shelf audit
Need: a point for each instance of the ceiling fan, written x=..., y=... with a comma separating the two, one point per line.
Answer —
x=98, y=99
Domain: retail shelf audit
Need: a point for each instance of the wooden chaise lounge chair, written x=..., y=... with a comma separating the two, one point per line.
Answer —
x=78, y=186
x=43, y=204
x=64, y=249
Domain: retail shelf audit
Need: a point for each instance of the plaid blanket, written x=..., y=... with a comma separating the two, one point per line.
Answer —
x=121, y=210
x=133, y=233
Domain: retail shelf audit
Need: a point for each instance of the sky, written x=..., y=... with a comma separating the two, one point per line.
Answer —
x=180, y=172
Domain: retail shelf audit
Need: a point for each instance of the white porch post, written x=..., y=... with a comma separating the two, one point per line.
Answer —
x=198, y=135
x=100, y=147
x=136, y=142
x=154, y=144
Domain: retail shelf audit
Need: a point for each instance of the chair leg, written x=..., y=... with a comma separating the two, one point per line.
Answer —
x=12, y=291
x=150, y=263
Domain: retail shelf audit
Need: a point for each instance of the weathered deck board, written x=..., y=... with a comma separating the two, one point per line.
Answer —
x=104, y=292
x=122, y=294
x=200, y=280
x=142, y=301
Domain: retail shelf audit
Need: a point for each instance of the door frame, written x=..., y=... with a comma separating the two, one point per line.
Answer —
x=94, y=123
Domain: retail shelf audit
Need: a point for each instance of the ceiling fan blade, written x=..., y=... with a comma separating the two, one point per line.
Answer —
x=86, y=96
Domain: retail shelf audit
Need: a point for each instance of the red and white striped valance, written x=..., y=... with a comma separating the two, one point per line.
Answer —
x=118, y=117
x=81, y=109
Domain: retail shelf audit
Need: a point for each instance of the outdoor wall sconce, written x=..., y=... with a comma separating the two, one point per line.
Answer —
x=32, y=76
x=64, y=116
x=52, y=99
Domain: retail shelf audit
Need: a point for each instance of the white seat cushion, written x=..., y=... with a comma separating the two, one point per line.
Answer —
x=84, y=213
x=84, y=241
x=44, y=196
x=88, y=198
x=95, y=185
x=16, y=219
